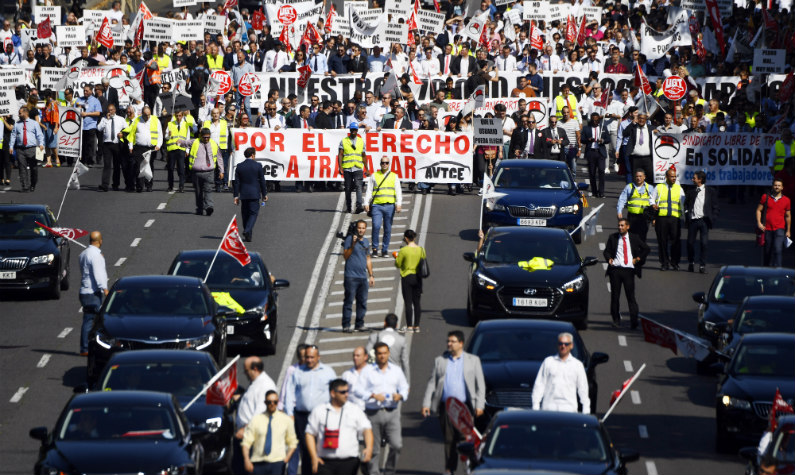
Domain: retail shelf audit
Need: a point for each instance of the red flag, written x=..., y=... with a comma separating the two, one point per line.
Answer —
x=104, y=35
x=311, y=36
x=436, y=6
x=787, y=88
x=416, y=5
x=233, y=245
x=641, y=80
x=414, y=76
x=605, y=98
x=284, y=37
x=571, y=29
x=701, y=52
x=779, y=406
x=257, y=19
x=659, y=335
x=68, y=233
x=138, y=39
x=412, y=23
x=44, y=30
x=483, y=41
x=332, y=15
x=770, y=23
x=614, y=395
x=717, y=26
x=221, y=392
x=230, y=4
x=535, y=37
x=581, y=33
x=305, y=71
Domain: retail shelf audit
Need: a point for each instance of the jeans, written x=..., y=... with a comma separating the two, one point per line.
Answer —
x=91, y=304
x=411, y=288
x=622, y=156
x=571, y=159
x=697, y=226
x=353, y=181
x=354, y=287
x=774, y=247
x=382, y=212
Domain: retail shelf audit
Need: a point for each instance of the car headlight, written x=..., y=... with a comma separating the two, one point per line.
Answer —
x=736, y=403
x=213, y=424
x=709, y=326
x=46, y=259
x=575, y=285
x=199, y=343
x=174, y=470
x=106, y=342
x=259, y=311
x=485, y=282
x=498, y=207
x=572, y=209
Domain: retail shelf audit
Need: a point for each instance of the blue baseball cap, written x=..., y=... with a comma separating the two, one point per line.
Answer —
x=354, y=126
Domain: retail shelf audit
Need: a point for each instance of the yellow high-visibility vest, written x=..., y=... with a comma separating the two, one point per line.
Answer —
x=222, y=140
x=386, y=192
x=662, y=199
x=133, y=127
x=352, y=155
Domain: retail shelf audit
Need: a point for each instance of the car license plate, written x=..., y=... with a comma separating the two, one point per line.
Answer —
x=230, y=329
x=524, y=302
x=532, y=222
x=8, y=275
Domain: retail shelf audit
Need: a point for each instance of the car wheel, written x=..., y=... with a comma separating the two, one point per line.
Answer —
x=55, y=289
x=702, y=368
x=472, y=319
x=577, y=237
x=65, y=280
x=724, y=443
x=582, y=324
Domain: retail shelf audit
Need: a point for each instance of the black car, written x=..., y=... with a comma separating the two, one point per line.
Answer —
x=247, y=290
x=762, y=363
x=156, y=312
x=30, y=256
x=506, y=282
x=757, y=314
x=546, y=440
x=182, y=373
x=140, y=432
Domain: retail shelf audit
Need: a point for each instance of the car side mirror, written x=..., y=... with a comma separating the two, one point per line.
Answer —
x=469, y=256
x=700, y=297
x=38, y=433
x=598, y=358
x=749, y=454
x=582, y=186
x=590, y=261
x=467, y=449
x=80, y=388
x=628, y=455
x=281, y=284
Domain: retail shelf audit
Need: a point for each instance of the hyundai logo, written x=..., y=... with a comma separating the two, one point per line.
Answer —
x=530, y=291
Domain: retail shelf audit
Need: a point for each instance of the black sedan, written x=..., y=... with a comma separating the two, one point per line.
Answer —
x=182, y=373
x=545, y=440
x=511, y=352
x=528, y=273
x=247, y=290
x=156, y=312
x=762, y=363
x=30, y=256
x=119, y=432
x=757, y=314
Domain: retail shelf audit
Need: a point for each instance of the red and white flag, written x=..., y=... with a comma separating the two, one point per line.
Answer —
x=330, y=18
x=416, y=5
x=717, y=26
x=780, y=406
x=258, y=20
x=641, y=80
x=230, y=4
x=436, y=6
x=104, y=35
x=415, y=78
x=770, y=23
x=311, y=36
x=483, y=40
x=284, y=37
x=136, y=31
x=614, y=395
x=605, y=98
x=581, y=33
x=44, y=30
x=233, y=245
x=305, y=71
x=571, y=29
x=68, y=233
x=535, y=37
x=221, y=392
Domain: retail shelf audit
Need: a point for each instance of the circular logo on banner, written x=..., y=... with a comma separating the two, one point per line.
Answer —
x=249, y=84
x=225, y=79
x=287, y=15
x=674, y=88
x=474, y=28
x=70, y=122
x=666, y=147
x=538, y=110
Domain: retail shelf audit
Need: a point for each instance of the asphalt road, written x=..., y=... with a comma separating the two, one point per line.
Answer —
x=669, y=418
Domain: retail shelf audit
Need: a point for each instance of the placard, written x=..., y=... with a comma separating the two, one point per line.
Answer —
x=371, y=15
x=188, y=30
x=593, y=14
x=12, y=77
x=514, y=16
x=556, y=12
x=397, y=8
x=50, y=77
x=429, y=22
x=73, y=35
x=769, y=61
x=498, y=3
x=365, y=34
x=488, y=131
x=184, y=3
x=69, y=132
x=536, y=10
x=31, y=37
x=214, y=24
x=53, y=13
x=174, y=75
x=725, y=6
x=396, y=32
x=158, y=29
x=8, y=100
x=92, y=19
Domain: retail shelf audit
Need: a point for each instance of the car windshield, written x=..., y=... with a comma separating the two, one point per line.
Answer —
x=175, y=301
x=525, y=177
x=510, y=248
x=765, y=359
x=15, y=224
x=768, y=320
x=179, y=379
x=226, y=272
x=117, y=422
x=548, y=441
x=512, y=344
x=733, y=289
x=784, y=448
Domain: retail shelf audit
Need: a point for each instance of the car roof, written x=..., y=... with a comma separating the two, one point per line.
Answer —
x=760, y=271
x=534, y=231
x=525, y=163
x=206, y=254
x=757, y=338
x=512, y=323
x=524, y=416
x=158, y=281
x=765, y=300
x=121, y=398
x=23, y=207
x=160, y=356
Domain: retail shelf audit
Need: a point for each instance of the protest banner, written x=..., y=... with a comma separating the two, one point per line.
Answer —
x=396, y=32
x=363, y=33
x=12, y=76
x=654, y=44
x=535, y=11
x=69, y=132
x=174, y=75
x=487, y=131
x=50, y=77
x=92, y=19
x=30, y=39
x=214, y=24
x=557, y=12
x=298, y=154
x=305, y=11
x=429, y=22
x=8, y=101
x=767, y=61
x=184, y=3
x=158, y=29
x=397, y=8
x=73, y=35
x=593, y=14
x=727, y=158
x=724, y=6
x=371, y=15
x=189, y=30
x=40, y=13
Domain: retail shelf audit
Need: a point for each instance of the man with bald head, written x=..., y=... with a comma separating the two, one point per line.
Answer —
x=253, y=401
x=352, y=374
x=93, y=286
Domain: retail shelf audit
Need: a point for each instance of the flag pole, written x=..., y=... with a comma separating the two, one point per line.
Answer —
x=211, y=382
x=219, y=249
x=74, y=168
x=623, y=391
x=63, y=236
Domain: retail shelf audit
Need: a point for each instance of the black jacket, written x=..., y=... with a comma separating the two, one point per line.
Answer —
x=636, y=245
x=588, y=139
x=324, y=121
x=632, y=130
x=357, y=64
x=455, y=66
x=711, y=208
x=249, y=182
x=389, y=124
x=547, y=135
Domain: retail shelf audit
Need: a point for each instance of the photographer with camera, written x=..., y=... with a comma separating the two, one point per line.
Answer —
x=358, y=276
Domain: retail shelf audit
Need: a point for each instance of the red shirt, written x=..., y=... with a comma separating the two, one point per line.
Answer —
x=776, y=209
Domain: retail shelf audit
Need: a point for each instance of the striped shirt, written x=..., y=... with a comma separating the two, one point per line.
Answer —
x=571, y=127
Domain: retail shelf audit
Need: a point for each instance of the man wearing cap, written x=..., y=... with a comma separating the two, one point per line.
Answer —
x=350, y=160
x=203, y=158
x=144, y=134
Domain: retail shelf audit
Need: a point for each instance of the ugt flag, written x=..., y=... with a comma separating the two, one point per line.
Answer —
x=233, y=245
x=221, y=392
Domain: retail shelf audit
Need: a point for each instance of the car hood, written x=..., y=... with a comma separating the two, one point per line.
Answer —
x=758, y=388
x=163, y=327
x=200, y=411
x=510, y=374
x=512, y=275
x=581, y=468
x=246, y=298
x=538, y=197
x=10, y=247
x=720, y=312
x=129, y=456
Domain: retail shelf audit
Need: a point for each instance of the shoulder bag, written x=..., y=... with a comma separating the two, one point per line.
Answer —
x=423, y=269
x=372, y=198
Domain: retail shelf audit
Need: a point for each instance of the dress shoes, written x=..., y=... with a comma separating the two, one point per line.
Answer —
x=674, y=266
x=199, y=212
x=702, y=269
x=209, y=211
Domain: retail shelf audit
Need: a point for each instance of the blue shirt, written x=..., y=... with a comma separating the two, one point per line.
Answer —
x=537, y=81
x=308, y=388
x=356, y=265
x=34, y=135
x=91, y=105
x=93, y=276
x=454, y=384
x=137, y=65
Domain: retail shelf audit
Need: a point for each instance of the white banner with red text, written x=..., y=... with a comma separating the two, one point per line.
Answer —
x=416, y=156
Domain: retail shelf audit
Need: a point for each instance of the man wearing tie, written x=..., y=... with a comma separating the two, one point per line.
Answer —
x=594, y=138
x=317, y=61
x=534, y=148
x=701, y=209
x=445, y=60
x=272, y=436
x=25, y=137
x=519, y=138
x=638, y=147
x=625, y=254
x=250, y=191
x=112, y=151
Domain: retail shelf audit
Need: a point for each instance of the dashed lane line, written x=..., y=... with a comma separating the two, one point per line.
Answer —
x=628, y=366
x=149, y=223
x=18, y=395
x=45, y=358
x=65, y=332
x=381, y=311
x=604, y=265
x=377, y=279
x=635, y=395
x=120, y=262
x=622, y=340
x=343, y=338
x=161, y=206
x=651, y=468
x=135, y=242
x=601, y=246
x=643, y=431
x=598, y=228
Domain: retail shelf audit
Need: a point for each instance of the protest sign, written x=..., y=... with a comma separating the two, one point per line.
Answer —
x=556, y=12
x=74, y=35
x=53, y=13
x=535, y=11
x=397, y=8
x=296, y=154
x=50, y=77
x=12, y=76
x=188, y=30
x=396, y=32
x=92, y=19
x=214, y=24
x=654, y=44
x=174, y=75
x=365, y=34
x=768, y=61
x=429, y=22
x=30, y=39
x=158, y=29
x=69, y=132
x=184, y=3
x=8, y=101
x=488, y=131
x=371, y=15
x=724, y=6
x=593, y=14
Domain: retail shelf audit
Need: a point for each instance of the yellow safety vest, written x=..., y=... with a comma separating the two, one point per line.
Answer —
x=216, y=62
x=386, y=192
x=224, y=132
x=352, y=155
x=751, y=119
x=176, y=134
x=536, y=263
x=662, y=199
x=194, y=149
x=637, y=201
x=781, y=154
x=561, y=102
x=163, y=62
x=155, y=134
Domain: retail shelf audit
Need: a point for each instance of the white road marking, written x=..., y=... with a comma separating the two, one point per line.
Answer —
x=622, y=340
x=604, y=265
x=598, y=228
x=18, y=395
x=383, y=289
x=135, y=242
x=369, y=301
x=628, y=366
x=149, y=223
x=65, y=331
x=635, y=395
x=651, y=468
x=377, y=279
x=376, y=269
x=643, y=431
x=120, y=262
x=343, y=338
x=608, y=286
x=339, y=363
x=341, y=351
x=601, y=246
x=382, y=311
x=161, y=206
x=45, y=358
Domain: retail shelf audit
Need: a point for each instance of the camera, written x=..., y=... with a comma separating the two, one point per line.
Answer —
x=351, y=231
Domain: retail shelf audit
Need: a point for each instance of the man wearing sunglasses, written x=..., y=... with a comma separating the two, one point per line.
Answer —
x=272, y=435
x=561, y=379
x=384, y=197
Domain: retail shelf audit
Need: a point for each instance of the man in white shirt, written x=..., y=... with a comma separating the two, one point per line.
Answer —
x=506, y=61
x=271, y=119
x=429, y=67
x=560, y=380
x=377, y=61
x=550, y=61
x=275, y=59
x=253, y=400
x=353, y=375
x=115, y=15
x=112, y=156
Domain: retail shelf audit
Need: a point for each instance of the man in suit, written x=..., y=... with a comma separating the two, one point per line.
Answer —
x=464, y=381
x=625, y=254
x=594, y=138
x=302, y=120
x=399, y=121
x=398, y=353
x=249, y=191
x=446, y=60
x=463, y=65
x=519, y=138
x=701, y=210
x=555, y=141
x=639, y=147
x=324, y=119
x=358, y=63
